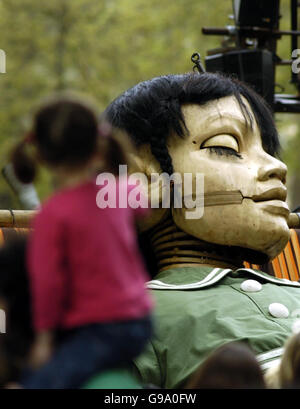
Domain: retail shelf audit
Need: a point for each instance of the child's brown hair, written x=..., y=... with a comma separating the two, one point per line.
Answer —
x=231, y=366
x=67, y=132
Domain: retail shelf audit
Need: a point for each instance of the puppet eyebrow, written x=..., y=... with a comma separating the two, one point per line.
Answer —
x=243, y=124
x=235, y=125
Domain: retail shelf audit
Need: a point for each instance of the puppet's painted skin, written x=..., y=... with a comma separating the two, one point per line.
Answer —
x=202, y=305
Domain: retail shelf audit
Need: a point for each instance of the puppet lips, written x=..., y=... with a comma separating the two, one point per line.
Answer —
x=278, y=193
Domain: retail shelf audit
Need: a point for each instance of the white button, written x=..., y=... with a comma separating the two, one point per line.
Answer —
x=251, y=286
x=278, y=310
x=296, y=326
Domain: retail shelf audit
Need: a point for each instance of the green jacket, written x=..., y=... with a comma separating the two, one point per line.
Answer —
x=200, y=308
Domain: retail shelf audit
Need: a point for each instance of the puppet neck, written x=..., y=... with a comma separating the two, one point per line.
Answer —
x=173, y=248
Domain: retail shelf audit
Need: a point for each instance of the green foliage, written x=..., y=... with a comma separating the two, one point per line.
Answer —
x=100, y=47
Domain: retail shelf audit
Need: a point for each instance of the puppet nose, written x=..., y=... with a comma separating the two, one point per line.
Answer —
x=273, y=169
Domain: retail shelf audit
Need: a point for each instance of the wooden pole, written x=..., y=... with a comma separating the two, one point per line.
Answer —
x=16, y=218
x=23, y=218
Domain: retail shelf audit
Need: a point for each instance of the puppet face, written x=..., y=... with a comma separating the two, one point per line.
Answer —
x=229, y=153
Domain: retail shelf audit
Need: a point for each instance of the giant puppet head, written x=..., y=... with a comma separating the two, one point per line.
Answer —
x=218, y=127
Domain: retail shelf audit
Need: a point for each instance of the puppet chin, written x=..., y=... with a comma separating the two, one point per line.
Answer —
x=245, y=226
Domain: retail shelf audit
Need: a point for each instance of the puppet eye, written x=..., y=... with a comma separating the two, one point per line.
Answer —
x=221, y=141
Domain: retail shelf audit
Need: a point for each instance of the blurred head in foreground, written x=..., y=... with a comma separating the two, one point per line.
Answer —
x=287, y=374
x=232, y=366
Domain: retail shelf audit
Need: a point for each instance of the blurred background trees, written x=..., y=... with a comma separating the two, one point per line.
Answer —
x=102, y=47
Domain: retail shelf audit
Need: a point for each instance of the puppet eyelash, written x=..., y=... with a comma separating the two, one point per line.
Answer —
x=222, y=150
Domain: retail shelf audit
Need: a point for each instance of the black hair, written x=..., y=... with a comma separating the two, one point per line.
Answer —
x=151, y=110
x=66, y=131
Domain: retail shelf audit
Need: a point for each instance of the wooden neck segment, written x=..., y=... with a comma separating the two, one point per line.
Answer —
x=174, y=248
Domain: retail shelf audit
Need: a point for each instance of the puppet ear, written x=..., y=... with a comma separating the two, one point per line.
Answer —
x=143, y=162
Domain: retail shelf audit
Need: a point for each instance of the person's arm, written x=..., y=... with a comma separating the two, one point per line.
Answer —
x=46, y=270
x=42, y=349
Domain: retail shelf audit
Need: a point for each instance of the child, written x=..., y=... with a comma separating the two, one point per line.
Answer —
x=87, y=277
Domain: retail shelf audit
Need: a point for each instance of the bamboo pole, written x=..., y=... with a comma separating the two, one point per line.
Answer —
x=22, y=218
x=16, y=218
